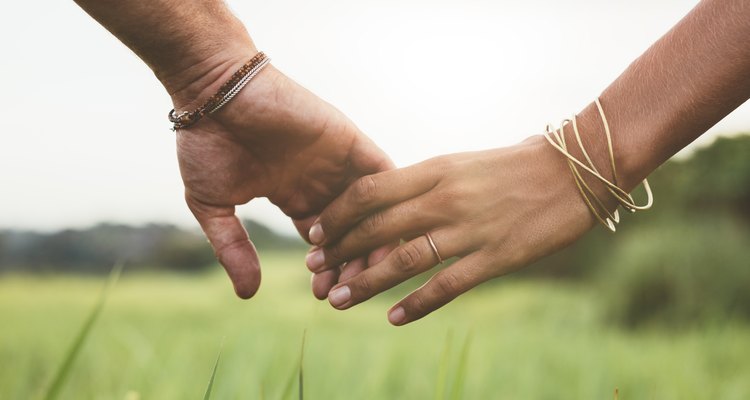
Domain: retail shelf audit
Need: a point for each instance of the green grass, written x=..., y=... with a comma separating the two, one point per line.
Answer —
x=62, y=372
x=74, y=349
x=301, y=374
x=442, y=376
x=461, y=368
x=158, y=335
x=207, y=393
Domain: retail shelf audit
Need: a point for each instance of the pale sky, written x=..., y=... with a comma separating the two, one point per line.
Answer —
x=84, y=131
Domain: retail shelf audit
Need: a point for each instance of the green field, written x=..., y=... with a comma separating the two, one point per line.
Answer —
x=159, y=335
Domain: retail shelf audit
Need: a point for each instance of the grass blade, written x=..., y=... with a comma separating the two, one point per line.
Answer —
x=207, y=395
x=75, y=348
x=442, y=378
x=301, y=374
x=287, y=393
x=458, y=382
x=296, y=373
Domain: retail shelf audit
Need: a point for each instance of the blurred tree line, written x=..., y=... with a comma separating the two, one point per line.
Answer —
x=687, y=260
x=95, y=249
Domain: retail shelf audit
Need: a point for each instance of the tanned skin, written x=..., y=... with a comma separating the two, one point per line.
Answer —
x=501, y=209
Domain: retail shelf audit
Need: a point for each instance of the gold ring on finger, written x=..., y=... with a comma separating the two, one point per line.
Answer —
x=434, y=248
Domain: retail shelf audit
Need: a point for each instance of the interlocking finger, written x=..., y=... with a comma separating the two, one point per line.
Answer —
x=404, y=262
x=369, y=194
x=407, y=219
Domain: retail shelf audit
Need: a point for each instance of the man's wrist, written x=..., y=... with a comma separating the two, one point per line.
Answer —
x=193, y=84
x=186, y=43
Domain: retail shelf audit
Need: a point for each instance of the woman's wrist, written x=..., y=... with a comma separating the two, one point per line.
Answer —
x=634, y=161
x=593, y=140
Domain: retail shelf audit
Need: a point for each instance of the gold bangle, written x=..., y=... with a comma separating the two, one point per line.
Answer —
x=609, y=220
x=597, y=207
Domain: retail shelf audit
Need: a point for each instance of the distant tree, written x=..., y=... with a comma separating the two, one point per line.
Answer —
x=713, y=178
x=712, y=182
x=95, y=249
x=266, y=239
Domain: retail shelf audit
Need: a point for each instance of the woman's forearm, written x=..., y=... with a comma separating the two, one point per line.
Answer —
x=680, y=87
x=501, y=209
x=191, y=45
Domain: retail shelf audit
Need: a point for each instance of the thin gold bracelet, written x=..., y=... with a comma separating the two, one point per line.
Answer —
x=556, y=137
x=610, y=219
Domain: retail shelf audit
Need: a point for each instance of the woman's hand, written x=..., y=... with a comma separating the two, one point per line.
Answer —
x=498, y=210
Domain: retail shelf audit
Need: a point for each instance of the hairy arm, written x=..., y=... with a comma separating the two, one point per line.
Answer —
x=274, y=139
x=190, y=45
x=684, y=84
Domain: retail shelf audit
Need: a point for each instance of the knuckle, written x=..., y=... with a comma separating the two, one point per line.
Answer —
x=221, y=249
x=198, y=209
x=408, y=258
x=438, y=161
x=443, y=200
x=444, y=162
x=365, y=190
x=451, y=200
x=330, y=220
x=448, y=284
x=419, y=305
x=364, y=286
x=335, y=256
x=372, y=224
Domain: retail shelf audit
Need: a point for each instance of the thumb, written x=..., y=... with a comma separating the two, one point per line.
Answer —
x=231, y=245
x=367, y=158
x=303, y=226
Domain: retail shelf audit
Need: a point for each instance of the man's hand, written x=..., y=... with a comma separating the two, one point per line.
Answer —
x=274, y=140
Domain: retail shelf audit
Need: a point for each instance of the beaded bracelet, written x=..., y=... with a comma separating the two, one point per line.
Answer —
x=226, y=92
x=556, y=138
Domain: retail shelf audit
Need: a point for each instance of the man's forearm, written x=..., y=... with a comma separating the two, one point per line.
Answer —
x=189, y=44
x=679, y=88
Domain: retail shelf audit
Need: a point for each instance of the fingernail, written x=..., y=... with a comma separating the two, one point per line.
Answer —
x=315, y=259
x=397, y=315
x=339, y=296
x=316, y=234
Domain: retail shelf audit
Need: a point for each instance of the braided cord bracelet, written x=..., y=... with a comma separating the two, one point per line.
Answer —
x=225, y=93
